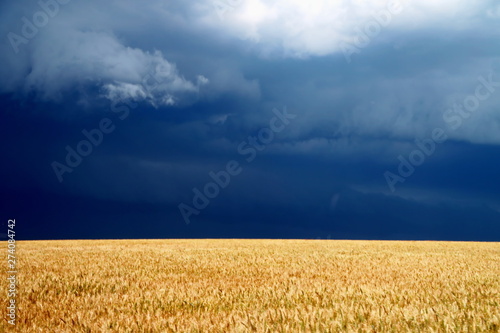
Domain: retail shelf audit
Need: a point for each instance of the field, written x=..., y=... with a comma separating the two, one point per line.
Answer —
x=256, y=285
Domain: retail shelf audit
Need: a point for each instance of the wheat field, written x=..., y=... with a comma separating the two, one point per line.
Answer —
x=256, y=286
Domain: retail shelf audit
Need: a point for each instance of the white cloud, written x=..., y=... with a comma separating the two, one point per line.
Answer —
x=76, y=57
x=67, y=53
x=300, y=29
x=90, y=44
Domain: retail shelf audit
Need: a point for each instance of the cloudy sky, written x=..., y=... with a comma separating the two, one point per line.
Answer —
x=248, y=118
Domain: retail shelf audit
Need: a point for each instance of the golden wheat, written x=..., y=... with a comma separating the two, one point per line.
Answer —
x=256, y=285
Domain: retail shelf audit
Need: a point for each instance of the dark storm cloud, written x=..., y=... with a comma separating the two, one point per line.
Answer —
x=201, y=85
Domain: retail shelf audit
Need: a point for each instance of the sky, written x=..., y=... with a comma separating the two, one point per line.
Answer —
x=329, y=119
